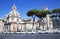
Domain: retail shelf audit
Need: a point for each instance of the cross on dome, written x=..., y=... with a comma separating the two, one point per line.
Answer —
x=14, y=7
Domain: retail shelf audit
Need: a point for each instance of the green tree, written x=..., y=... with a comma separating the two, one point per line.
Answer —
x=42, y=14
x=32, y=13
x=56, y=13
x=56, y=10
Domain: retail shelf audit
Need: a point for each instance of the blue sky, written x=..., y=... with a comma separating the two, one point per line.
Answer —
x=25, y=5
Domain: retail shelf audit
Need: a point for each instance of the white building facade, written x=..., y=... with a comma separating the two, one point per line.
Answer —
x=1, y=25
x=14, y=23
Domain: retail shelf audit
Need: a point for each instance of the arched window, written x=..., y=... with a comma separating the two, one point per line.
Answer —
x=14, y=29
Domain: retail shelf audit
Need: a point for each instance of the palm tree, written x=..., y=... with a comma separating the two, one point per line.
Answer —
x=42, y=14
x=32, y=13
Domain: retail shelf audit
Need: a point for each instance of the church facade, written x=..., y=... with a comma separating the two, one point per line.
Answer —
x=14, y=23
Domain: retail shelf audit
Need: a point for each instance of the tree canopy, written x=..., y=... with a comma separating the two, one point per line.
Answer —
x=56, y=10
x=32, y=12
x=43, y=13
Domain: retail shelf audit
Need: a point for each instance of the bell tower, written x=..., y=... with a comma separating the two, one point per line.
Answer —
x=45, y=8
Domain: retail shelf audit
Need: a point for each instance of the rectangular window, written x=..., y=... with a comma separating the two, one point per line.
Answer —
x=17, y=20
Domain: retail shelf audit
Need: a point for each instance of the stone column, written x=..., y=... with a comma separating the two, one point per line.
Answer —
x=48, y=21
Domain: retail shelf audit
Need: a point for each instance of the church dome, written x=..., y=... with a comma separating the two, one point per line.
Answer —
x=14, y=12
